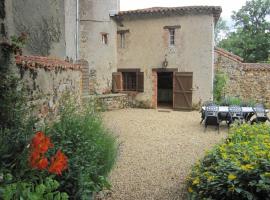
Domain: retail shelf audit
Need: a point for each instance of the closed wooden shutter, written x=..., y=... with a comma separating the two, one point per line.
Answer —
x=140, y=83
x=117, y=85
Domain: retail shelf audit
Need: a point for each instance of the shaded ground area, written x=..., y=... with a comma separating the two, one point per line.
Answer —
x=156, y=152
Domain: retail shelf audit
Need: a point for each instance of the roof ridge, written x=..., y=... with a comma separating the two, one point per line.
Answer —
x=229, y=54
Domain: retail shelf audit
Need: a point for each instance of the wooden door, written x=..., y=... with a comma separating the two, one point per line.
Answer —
x=182, y=90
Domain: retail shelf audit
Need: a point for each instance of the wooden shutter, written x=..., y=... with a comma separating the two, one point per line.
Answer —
x=117, y=84
x=182, y=90
x=140, y=81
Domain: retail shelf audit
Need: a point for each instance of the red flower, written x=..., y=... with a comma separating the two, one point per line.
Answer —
x=42, y=163
x=34, y=158
x=38, y=161
x=58, y=163
x=41, y=143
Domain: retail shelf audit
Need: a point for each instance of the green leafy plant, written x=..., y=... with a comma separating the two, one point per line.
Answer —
x=91, y=149
x=28, y=190
x=236, y=169
x=227, y=101
x=220, y=82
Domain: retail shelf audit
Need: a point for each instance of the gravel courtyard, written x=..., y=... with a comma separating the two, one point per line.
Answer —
x=156, y=152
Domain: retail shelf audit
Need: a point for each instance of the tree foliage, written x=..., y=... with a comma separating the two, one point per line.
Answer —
x=251, y=40
x=221, y=30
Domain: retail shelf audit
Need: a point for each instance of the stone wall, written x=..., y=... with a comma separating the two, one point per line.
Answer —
x=113, y=101
x=46, y=80
x=249, y=81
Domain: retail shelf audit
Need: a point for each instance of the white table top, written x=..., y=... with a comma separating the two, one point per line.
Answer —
x=244, y=109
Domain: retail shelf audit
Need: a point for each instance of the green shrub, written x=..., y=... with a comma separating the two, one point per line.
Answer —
x=237, y=169
x=227, y=101
x=91, y=149
x=220, y=82
x=16, y=125
x=29, y=190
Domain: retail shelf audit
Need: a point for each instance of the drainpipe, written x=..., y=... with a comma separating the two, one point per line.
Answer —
x=77, y=29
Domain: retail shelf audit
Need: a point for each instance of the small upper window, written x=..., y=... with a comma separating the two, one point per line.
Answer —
x=172, y=36
x=104, y=38
x=122, y=40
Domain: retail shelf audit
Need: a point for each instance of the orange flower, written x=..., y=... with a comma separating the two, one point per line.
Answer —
x=34, y=158
x=41, y=143
x=42, y=163
x=38, y=161
x=58, y=163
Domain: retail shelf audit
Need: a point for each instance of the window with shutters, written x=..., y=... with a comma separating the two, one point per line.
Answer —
x=128, y=80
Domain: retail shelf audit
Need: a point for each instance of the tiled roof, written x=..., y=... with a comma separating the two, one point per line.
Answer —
x=246, y=66
x=45, y=62
x=228, y=54
x=216, y=10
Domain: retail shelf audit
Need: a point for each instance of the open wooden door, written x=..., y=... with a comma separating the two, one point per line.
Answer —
x=182, y=90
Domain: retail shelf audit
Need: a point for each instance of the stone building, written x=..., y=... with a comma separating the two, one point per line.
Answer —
x=51, y=26
x=166, y=55
x=157, y=56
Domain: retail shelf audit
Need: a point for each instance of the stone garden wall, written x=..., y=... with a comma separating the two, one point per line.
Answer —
x=249, y=81
x=46, y=80
x=113, y=101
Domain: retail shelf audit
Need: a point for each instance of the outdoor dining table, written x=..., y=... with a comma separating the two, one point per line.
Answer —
x=223, y=111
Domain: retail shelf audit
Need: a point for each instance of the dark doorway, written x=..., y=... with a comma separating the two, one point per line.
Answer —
x=165, y=89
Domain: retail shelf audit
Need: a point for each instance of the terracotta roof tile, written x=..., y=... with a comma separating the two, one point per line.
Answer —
x=216, y=10
x=45, y=62
x=228, y=54
x=246, y=66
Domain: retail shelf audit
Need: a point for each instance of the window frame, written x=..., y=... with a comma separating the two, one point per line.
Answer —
x=130, y=81
x=138, y=83
x=122, y=40
x=122, y=36
x=105, y=38
x=171, y=37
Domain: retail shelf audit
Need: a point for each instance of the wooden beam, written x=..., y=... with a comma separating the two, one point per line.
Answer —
x=172, y=27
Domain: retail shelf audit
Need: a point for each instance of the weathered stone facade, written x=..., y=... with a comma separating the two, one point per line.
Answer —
x=147, y=46
x=46, y=80
x=50, y=26
x=249, y=81
x=96, y=22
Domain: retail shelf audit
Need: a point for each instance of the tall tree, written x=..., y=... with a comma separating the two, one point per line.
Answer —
x=251, y=40
x=221, y=30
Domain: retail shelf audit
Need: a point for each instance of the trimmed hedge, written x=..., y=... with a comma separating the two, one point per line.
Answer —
x=237, y=169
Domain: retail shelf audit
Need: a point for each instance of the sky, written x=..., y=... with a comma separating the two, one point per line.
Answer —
x=227, y=5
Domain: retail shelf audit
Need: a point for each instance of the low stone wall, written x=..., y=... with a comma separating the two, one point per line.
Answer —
x=249, y=81
x=46, y=80
x=113, y=101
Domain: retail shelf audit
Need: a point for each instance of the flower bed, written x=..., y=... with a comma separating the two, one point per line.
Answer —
x=237, y=169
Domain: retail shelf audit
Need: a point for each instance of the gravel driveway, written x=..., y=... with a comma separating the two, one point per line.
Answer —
x=156, y=152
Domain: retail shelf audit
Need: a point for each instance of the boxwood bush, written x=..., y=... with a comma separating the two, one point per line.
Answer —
x=236, y=169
